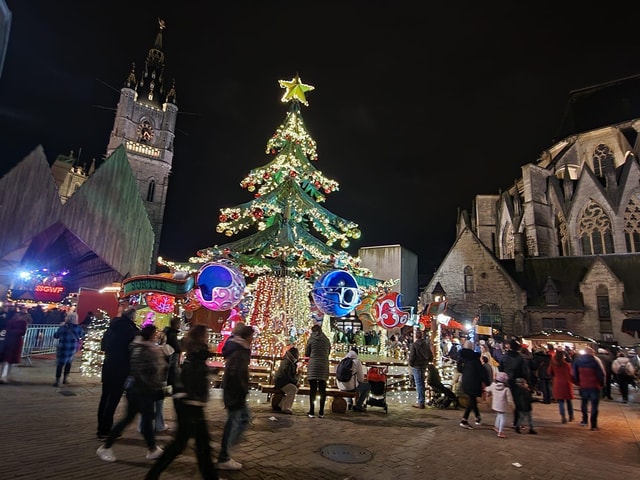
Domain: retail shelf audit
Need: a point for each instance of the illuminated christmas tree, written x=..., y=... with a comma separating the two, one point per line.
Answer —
x=296, y=239
x=286, y=208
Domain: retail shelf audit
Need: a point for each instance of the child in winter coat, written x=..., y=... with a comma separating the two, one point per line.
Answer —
x=501, y=400
x=523, y=400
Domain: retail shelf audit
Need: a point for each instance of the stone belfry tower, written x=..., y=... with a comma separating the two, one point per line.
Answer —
x=145, y=124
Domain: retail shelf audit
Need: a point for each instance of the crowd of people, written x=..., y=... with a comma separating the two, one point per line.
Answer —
x=551, y=373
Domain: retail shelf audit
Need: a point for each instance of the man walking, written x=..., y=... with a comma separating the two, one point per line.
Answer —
x=588, y=374
x=235, y=385
x=115, y=368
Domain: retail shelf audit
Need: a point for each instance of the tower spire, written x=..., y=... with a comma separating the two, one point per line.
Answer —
x=151, y=85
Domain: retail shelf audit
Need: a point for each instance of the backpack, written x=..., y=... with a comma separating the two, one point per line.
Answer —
x=344, y=370
x=626, y=368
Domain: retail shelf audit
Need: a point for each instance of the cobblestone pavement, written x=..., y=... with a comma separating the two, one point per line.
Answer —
x=49, y=433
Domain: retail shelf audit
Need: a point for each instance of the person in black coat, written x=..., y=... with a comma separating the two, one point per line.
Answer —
x=540, y=365
x=287, y=379
x=235, y=386
x=171, y=335
x=473, y=376
x=115, y=367
x=515, y=366
x=191, y=393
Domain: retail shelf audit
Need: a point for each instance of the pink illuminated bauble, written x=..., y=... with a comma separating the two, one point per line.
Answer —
x=161, y=303
x=219, y=286
x=388, y=310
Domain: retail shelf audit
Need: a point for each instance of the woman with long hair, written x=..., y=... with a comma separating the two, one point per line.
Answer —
x=562, y=381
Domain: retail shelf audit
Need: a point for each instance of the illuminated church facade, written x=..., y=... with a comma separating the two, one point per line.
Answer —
x=560, y=248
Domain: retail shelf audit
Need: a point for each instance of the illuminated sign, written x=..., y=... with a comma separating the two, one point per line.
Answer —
x=48, y=289
x=157, y=283
x=48, y=293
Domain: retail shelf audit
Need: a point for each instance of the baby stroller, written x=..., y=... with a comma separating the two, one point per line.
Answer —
x=377, y=378
x=442, y=396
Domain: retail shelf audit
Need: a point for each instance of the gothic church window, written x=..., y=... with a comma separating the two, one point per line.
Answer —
x=551, y=293
x=632, y=226
x=151, y=190
x=602, y=158
x=604, y=309
x=468, y=279
x=594, y=230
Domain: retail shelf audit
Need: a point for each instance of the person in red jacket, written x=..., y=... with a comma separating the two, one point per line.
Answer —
x=560, y=371
x=588, y=374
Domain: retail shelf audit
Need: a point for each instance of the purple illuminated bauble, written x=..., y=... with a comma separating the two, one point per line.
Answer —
x=219, y=286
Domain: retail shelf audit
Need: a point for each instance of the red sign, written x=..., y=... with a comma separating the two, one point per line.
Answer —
x=48, y=293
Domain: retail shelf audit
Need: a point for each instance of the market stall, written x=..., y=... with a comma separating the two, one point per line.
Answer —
x=555, y=337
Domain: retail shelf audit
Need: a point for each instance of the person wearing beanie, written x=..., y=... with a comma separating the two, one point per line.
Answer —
x=357, y=382
x=69, y=335
x=501, y=401
x=287, y=379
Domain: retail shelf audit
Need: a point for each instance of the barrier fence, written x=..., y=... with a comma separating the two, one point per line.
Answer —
x=38, y=340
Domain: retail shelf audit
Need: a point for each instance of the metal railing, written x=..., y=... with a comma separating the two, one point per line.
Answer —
x=38, y=340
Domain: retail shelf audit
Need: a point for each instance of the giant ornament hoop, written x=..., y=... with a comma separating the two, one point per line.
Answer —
x=336, y=293
x=219, y=286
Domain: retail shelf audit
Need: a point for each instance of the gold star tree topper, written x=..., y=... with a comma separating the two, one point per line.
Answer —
x=295, y=90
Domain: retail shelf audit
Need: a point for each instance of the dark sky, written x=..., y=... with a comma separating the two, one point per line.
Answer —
x=414, y=111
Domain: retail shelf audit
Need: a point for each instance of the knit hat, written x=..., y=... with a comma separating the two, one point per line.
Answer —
x=502, y=377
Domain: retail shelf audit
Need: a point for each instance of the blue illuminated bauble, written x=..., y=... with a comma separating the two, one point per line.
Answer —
x=336, y=293
x=219, y=286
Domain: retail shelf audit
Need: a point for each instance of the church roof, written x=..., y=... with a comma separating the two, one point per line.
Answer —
x=600, y=105
x=568, y=272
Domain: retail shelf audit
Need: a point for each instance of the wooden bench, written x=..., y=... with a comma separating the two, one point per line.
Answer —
x=338, y=403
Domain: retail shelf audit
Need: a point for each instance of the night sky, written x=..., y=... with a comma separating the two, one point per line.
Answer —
x=414, y=112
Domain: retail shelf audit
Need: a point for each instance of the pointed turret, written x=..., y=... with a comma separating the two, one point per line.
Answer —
x=151, y=84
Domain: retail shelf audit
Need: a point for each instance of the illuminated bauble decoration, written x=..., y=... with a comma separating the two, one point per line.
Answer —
x=336, y=293
x=161, y=303
x=190, y=303
x=219, y=286
x=388, y=310
x=365, y=312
